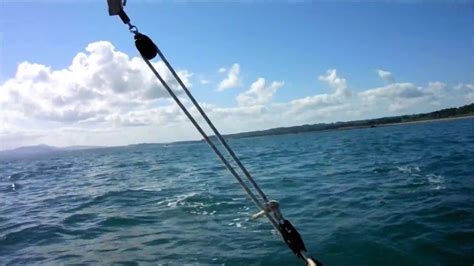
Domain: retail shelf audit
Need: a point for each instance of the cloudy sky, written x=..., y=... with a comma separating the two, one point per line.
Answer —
x=70, y=75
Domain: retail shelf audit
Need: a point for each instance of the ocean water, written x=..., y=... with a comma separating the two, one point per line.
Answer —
x=395, y=195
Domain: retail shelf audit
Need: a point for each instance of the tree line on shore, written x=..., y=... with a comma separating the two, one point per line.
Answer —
x=466, y=110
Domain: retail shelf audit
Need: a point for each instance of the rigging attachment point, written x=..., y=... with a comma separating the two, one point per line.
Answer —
x=145, y=46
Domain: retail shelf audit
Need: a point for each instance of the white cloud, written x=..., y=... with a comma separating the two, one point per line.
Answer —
x=105, y=97
x=163, y=115
x=340, y=94
x=319, y=107
x=403, y=96
x=258, y=93
x=222, y=70
x=467, y=89
x=232, y=80
x=98, y=83
x=339, y=84
x=385, y=75
x=396, y=90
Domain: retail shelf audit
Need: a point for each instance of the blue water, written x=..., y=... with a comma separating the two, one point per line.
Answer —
x=397, y=195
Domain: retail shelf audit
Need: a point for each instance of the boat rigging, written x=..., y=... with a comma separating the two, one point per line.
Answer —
x=268, y=208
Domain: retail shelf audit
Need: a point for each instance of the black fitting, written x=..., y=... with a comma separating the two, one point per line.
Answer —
x=123, y=16
x=292, y=238
x=145, y=46
x=294, y=241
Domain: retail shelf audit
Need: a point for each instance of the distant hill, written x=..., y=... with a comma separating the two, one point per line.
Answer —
x=464, y=111
x=41, y=149
x=467, y=110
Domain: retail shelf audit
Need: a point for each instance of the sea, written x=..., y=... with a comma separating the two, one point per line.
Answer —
x=391, y=195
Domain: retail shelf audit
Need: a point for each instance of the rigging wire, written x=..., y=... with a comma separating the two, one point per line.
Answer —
x=211, y=125
x=212, y=145
x=148, y=50
x=269, y=208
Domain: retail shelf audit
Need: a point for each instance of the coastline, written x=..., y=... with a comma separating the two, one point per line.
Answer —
x=470, y=116
x=450, y=114
x=244, y=135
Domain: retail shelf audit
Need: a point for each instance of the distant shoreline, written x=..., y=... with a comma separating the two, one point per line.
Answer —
x=406, y=123
x=429, y=120
x=352, y=128
x=463, y=112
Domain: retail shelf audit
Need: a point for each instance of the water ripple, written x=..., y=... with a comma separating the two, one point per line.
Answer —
x=380, y=196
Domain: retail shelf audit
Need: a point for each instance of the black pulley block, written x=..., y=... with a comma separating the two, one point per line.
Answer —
x=145, y=46
x=292, y=238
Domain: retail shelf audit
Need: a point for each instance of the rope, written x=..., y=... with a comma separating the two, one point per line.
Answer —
x=211, y=125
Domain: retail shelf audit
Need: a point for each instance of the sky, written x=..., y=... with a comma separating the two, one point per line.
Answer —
x=71, y=75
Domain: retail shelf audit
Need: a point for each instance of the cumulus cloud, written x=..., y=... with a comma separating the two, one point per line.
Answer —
x=232, y=80
x=396, y=90
x=318, y=107
x=401, y=96
x=259, y=93
x=337, y=83
x=158, y=116
x=105, y=97
x=385, y=75
x=466, y=89
x=234, y=119
x=97, y=83
x=340, y=93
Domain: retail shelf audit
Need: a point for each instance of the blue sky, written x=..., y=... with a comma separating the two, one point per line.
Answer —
x=416, y=43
